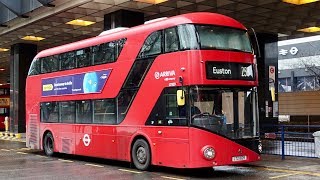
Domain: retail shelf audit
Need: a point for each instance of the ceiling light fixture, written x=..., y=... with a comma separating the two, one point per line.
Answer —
x=80, y=22
x=282, y=35
x=299, y=2
x=152, y=1
x=310, y=29
x=33, y=38
x=3, y=49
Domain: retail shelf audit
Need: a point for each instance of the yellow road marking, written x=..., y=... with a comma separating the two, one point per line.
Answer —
x=127, y=170
x=5, y=150
x=42, y=156
x=64, y=160
x=291, y=171
x=21, y=153
x=284, y=175
x=94, y=165
x=174, y=178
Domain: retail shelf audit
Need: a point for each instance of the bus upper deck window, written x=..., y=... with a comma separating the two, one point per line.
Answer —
x=187, y=37
x=225, y=38
x=67, y=60
x=49, y=64
x=34, y=68
x=119, y=47
x=83, y=57
x=104, y=53
x=152, y=45
x=171, y=40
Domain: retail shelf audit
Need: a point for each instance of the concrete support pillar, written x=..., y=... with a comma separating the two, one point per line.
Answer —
x=21, y=56
x=123, y=18
x=268, y=44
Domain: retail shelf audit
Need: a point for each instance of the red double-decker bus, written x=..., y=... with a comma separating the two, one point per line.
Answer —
x=177, y=92
x=4, y=104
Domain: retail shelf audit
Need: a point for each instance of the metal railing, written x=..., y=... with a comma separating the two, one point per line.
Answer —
x=289, y=140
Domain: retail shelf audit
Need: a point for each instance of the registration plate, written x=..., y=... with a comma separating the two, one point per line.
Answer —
x=239, y=158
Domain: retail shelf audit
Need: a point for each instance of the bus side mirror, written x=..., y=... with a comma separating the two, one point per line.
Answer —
x=180, y=98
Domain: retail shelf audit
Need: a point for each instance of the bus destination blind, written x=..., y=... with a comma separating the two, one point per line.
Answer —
x=229, y=71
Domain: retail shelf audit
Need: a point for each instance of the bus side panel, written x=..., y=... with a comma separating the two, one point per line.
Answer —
x=66, y=138
x=96, y=141
x=171, y=146
x=53, y=128
x=125, y=137
x=33, y=136
x=224, y=148
x=168, y=148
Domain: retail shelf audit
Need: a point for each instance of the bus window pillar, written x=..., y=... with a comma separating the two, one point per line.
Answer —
x=21, y=56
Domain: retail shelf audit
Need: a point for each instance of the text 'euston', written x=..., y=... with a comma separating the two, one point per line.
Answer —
x=215, y=70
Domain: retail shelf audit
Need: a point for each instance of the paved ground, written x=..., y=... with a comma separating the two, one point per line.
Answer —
x=18, y=162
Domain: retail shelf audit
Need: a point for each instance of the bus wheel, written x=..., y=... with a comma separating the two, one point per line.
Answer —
x=48, y=144
x=141, y=155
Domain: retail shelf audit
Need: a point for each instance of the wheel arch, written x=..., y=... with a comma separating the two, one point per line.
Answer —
x=45, y=132
x=144, y=137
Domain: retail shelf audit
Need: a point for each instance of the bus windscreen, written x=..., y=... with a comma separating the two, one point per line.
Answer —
x=229, y=112
x=224, y=38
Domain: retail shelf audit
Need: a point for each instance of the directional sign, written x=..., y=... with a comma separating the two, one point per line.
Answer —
x=272, y=76
x=272, y=70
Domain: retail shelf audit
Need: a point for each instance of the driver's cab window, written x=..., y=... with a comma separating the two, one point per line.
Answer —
x=166, y=112
x=227, y=106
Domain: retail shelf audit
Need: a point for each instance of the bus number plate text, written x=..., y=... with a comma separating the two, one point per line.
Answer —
x=239, y=158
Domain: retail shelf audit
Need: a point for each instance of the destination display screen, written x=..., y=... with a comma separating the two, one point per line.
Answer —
x=229, y=71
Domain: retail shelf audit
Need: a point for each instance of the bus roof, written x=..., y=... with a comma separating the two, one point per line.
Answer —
x=191, y=18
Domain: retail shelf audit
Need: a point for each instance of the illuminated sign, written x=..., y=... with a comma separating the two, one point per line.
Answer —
x=215, y=70
x=4, y=101
x=229, y=71
x=84, y=83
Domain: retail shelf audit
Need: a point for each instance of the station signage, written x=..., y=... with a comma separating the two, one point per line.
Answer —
x=83, y=83
x=229, y=71
x=298, y=50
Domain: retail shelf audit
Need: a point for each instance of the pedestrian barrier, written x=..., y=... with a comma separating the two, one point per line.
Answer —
x=10, y=136
x=289, y=140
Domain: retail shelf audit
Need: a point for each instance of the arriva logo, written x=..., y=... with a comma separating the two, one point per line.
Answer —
x=162, y=74
x=215, y=70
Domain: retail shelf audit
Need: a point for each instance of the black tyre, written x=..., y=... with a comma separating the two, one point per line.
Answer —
x=48, y=144
x=141, y=155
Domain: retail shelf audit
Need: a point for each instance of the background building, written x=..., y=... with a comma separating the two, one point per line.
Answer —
x=299, y=80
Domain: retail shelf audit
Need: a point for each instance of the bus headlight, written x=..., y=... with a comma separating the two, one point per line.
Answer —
x=208, y=152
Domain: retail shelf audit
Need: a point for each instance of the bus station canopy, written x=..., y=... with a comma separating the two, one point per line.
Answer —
x=47, y=22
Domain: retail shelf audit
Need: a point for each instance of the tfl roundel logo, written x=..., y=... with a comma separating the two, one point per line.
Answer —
x=86, y=140
x=157, y=75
